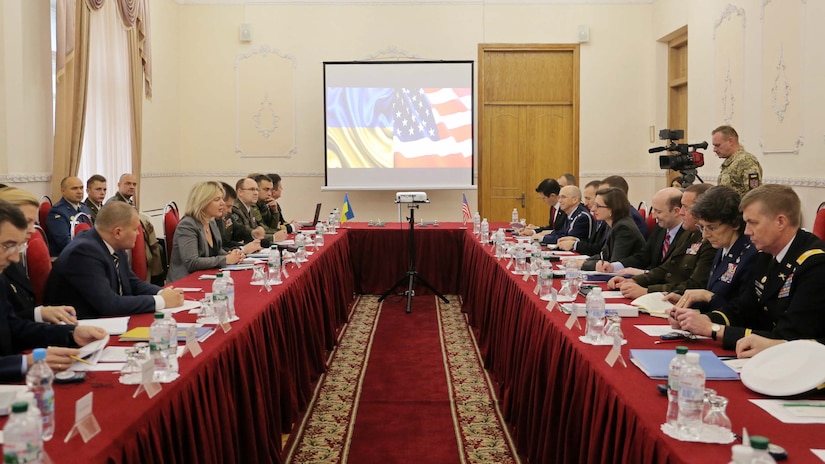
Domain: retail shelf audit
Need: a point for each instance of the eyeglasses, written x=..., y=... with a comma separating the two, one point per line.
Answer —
x=711, y=228
x=600, y=206
x=16, y=248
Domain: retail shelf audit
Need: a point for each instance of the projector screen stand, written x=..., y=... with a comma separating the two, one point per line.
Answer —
x=412, y=275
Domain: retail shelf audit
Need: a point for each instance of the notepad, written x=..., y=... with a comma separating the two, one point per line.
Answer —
x=653, y=304
x=141, y=334
x=655, y=364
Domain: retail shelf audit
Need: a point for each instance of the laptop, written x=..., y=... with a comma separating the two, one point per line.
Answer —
x=305, y=224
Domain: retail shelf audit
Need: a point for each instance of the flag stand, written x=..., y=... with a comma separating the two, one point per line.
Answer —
x=412, y=274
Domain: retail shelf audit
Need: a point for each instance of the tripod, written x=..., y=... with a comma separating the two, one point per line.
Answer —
x=411, y=274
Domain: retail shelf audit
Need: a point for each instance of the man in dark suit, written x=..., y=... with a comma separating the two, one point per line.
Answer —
x=17, y=334
x=548, y=191
x=667, y=204
x=62, y=213
x=686, y=266
x=95, y=194
x=785, y=300
x=93, y=273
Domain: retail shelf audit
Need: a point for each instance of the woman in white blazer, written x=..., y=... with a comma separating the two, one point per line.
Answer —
x=197, y=242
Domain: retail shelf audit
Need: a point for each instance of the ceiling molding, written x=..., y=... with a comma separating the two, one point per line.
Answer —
x=412, y=2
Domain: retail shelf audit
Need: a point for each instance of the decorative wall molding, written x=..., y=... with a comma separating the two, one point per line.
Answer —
x=727, y=14
x=729, y=63
x=223, y=174
x=23, y=177
x=411, y=2
x=391, y=52
x=265, y=114
x=813, y=182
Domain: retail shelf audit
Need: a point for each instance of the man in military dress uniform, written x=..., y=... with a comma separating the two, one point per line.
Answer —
x=786, y=299
x=740, y=170
x=95, y=194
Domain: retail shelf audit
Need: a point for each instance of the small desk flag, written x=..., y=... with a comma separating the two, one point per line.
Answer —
x=465, y=209
x=347, y=214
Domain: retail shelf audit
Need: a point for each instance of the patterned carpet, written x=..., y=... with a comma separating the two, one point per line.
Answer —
x=327, y=432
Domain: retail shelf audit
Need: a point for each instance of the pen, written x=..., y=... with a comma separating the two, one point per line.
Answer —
x=670, y=341
x=76, y=358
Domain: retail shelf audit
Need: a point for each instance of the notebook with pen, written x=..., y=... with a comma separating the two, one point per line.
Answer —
x=315, y=218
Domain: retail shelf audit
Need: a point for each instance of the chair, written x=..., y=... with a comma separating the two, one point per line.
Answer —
x=139, y=263
x=78, y=226
x=171, y=218
x=650, y=220
x=819, y=221
x=38, y=263
x=43, y=210
x=643, y=210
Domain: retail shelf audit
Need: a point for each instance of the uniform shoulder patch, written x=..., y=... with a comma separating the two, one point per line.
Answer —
x=753, y=180
x=808, y=254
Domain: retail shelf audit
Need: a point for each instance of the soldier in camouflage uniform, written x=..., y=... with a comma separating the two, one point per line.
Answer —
x=740, y=170
x=233, y=233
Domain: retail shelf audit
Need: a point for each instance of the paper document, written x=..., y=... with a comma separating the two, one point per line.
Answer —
x=90, y=354
x=653, y=304
x=112, y=325
x=781, y=410
x=188, y=305
x=612, y=294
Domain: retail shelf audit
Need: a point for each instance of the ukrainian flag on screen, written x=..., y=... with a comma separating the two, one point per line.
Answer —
x=359, y=127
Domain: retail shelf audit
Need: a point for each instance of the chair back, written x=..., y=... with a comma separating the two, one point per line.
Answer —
x=79, y=223
x=38, y=263
x=139, y=263
x=642, y=210
x=43, y=210
x=171, y=218
x=650, y=220
x=819, y=221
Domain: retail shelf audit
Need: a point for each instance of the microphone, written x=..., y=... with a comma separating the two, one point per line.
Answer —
x=657, y=149
x=703, y=145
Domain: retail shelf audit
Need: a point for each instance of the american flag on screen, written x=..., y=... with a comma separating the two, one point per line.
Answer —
x=432, y=127
x=465, y=209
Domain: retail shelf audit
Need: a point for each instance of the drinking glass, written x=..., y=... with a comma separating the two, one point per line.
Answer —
x=131, y=369
x=258, y=275
x=717, y=415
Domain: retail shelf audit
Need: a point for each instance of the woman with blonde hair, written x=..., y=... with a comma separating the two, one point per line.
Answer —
x=197, y=244
x=20, y=288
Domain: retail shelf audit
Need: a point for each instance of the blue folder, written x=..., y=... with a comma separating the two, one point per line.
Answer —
x=655, y=364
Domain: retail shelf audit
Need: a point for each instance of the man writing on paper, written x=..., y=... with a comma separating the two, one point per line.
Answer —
x=667, y=204
x=548, y=191
x=785, y=301
x=686, y=266
x=17, y=334
x=93, y=274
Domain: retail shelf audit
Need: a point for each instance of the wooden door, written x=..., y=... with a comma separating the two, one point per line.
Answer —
x=528, y=113
x=677, y=97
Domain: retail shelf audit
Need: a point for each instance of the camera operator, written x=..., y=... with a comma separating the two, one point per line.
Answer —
x=740, y=170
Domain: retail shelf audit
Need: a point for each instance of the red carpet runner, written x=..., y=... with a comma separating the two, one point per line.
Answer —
x=402, y=388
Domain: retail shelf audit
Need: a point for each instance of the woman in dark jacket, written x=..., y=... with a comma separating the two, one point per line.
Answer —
x=623, y=237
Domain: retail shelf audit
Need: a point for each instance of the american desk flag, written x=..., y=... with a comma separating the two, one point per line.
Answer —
x=465, y=209
x=399, y=127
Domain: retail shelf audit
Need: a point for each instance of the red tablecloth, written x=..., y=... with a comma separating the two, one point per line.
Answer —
x=233, y=402
x=380, y=255
x=565, y=404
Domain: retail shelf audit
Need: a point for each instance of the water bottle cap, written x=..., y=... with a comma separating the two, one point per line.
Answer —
x=20, y=406
x=39, y=354
x=159, y=316
x=759, y=442
x=681, y=350
x=220, y=274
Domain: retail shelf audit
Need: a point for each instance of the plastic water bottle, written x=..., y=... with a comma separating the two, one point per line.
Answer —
x=677, y=364
x=546, y=281
x=476, y=223
x=760, y=450
x=159, y=346
x=21, y=436
x=229, y=291
x=319, y=234
x=273, y=249
x=219, y=284
x=331, y=223
x=500, y=239
x=594, y=305
x=535, y=257
x=515, y=215
x=336, y=217
x=691, y=397
x=172, y=330
x=275, y=269
x=485, y=231
x=741, y=454
x=40, y=380
x=34, y=409
x=300, y=244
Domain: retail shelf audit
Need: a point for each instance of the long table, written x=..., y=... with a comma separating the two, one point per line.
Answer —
x=233, y=402
x=563, y=403
x=562, y=400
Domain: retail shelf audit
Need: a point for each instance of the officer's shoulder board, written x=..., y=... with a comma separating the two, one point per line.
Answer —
x=808, y=254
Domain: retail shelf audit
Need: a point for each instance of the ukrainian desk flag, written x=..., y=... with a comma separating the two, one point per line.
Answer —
x=347, y=214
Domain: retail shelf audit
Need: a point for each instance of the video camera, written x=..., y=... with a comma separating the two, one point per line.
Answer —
x=685, y=159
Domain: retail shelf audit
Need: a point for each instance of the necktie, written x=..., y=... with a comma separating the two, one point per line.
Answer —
x=117, y=272
x=665, y=245
x=553, y=217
